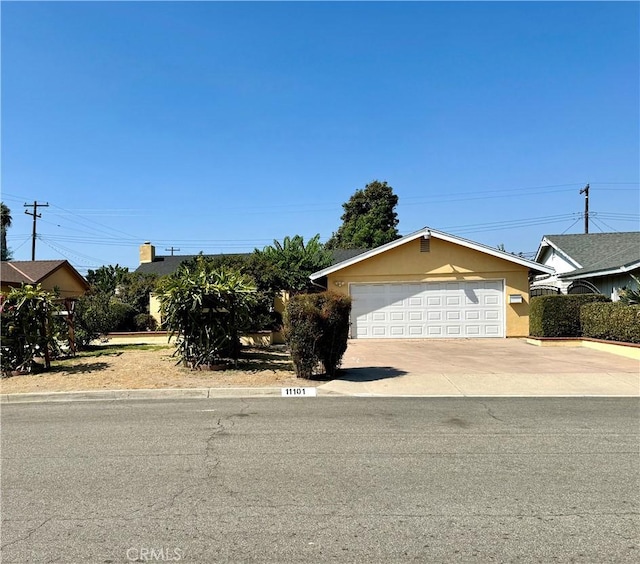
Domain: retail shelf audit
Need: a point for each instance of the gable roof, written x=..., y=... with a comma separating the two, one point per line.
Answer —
x=596, y=254
x=35, y=271
x=427, y=232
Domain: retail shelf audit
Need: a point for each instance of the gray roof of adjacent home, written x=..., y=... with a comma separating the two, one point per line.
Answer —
x=597, y=252
x=163, y=265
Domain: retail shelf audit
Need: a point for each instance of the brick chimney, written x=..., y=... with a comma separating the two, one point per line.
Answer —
x=147, y=252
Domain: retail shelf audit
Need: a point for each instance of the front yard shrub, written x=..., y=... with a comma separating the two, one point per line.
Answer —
x=27, y=328
x=93, y=317
x=559, y=315
x=316, y=328
x=612, y=322
x=123, y=316
x=144, y=322
x=206, y=309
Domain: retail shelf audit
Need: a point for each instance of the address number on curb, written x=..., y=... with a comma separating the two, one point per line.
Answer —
x=299, y=392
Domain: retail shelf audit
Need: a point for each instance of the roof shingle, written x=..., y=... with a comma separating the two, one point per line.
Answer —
x=599, y=251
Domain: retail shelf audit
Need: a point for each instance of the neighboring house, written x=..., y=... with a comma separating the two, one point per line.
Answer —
x=52, y=275
x=431, y=284
x=599, y=262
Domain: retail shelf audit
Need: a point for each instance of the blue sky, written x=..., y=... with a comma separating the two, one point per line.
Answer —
x=219, y=127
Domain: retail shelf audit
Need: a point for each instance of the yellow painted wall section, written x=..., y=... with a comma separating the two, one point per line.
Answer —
x=445, y=262
x=68, y=284
x=154, y=308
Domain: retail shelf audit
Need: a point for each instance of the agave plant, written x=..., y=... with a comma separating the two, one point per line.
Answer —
x=631, y=296
x=206, y=309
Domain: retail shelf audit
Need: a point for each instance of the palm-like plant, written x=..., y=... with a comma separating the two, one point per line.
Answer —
x=27, y=327
x=5, y=223
x=287, y=265
x=206, y=309
x=631, y=296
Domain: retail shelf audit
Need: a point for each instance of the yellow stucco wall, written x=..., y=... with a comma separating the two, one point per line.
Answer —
x=446, y=262
x=68, y=284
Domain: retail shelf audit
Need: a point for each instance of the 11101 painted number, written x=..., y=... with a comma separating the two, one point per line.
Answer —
x=299, y=392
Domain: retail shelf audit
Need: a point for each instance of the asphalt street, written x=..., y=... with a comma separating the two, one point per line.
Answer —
x=326, y=479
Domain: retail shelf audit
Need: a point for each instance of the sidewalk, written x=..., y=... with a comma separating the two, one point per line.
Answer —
x=410, y=385
x=430, y=368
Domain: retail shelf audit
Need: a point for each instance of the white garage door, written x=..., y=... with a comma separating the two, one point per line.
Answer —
x=428, y=310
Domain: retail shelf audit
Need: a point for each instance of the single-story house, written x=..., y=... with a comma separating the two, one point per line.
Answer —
x=50, y=274
x=431, y=284
x=595, y=262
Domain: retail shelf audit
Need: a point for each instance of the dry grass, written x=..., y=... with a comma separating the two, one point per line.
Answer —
x=115, y=368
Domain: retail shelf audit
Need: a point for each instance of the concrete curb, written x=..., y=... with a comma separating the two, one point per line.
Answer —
x=165, y=393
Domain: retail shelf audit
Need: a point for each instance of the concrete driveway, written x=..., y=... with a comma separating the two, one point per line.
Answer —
x=481, y=367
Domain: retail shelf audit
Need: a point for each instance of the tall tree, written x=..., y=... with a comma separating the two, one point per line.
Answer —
x=5, y=223
x=369, y=219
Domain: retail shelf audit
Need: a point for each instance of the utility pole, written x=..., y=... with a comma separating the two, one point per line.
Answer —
x=585, y=191
x=35, y=215
x=172, y=249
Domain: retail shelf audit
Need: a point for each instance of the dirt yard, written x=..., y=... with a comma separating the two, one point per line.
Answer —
x=119, y=368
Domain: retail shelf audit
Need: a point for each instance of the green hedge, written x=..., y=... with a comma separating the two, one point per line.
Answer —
x=559, y=315
x=316, y=328
x=613, y=322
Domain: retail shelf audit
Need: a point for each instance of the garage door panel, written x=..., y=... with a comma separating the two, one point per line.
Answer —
x=431, y=310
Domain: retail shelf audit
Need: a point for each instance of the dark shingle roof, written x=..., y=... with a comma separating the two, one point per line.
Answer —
x=345, y=254
x=163, y=265
x=28, y=272
x=599, y=251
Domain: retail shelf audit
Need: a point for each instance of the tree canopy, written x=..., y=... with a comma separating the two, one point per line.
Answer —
x=5, y=223
x=287, y=265
x=369, y=219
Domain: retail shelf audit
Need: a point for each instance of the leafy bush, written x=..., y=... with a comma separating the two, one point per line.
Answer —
x=123, y=316
x=302, y=330
x=559, y=315
x=613, y=322
x=27, y=327
x=206, y=309
x=144, y=322
x=316, y=328
x=93, y=317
